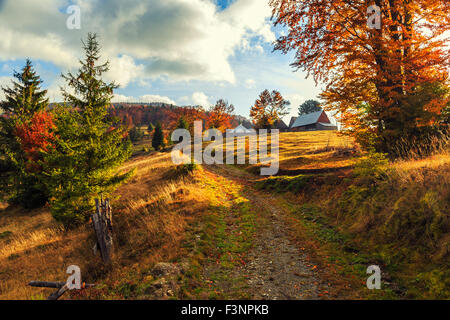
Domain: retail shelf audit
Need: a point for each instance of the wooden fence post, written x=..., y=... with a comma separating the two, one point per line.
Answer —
x=102, y=223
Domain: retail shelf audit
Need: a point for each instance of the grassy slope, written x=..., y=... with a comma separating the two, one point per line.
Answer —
x=393, y=215
x=206, y=221
x=161, y=215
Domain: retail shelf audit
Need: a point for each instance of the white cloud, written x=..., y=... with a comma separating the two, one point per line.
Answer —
x=177, y=39
x=4, y=82
x=296, y=100
x=259, y=48
x=156, y=98
x=144, y=99
x=201, y=99
x=54, y=91
x=197, y=98
x=250, y=83
x=123, y=98
x=123, y=70
x=6, y=68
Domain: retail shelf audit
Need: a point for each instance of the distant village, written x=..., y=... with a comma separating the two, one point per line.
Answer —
x=315, y=121
x=144, y=113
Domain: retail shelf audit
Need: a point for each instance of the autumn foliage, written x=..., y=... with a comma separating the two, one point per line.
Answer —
x=387, y=83
x=36, y=135
x=25, y=131
x=268, y=108
x=221, y=116
x=189, y=114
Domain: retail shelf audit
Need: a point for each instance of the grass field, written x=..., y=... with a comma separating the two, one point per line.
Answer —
x=207, y=222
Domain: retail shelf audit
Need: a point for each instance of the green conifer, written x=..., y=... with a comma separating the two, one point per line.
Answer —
x=90, y=148
x=182, y=124
x=22, y=101
x=158, y=137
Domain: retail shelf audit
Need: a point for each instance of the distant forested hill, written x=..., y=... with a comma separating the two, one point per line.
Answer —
x=168, y=115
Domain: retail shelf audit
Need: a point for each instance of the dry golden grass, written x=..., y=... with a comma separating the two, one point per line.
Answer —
x=434, y=161
x=150, y=216
x=38, y=252
x=314, y=150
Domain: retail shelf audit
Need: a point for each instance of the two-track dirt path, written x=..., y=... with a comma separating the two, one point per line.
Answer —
x=277, y=269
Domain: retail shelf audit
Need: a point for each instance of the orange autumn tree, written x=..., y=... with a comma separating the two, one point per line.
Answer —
x=268, y=108
x=36, y=136
x=189, y=114
x=388, y=81
x=221, y=115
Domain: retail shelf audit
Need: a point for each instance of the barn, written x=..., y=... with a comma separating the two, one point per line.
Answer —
x=315, y=121
x=280, y=125
x=293, y=119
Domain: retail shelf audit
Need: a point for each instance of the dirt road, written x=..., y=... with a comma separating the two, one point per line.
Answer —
x=277, y=269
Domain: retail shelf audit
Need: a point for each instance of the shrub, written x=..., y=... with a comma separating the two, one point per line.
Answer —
x=372, y=166
x=136, y=134
x=285, y=183
x=182, y=170
x=150, y=128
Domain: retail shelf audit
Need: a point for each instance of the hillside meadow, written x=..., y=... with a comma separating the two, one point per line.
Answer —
x=343, y=209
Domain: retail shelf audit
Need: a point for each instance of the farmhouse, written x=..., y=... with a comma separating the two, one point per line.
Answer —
x=313, y=122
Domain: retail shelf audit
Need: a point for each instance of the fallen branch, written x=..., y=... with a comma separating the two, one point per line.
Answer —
x=59, y=293
x=61, y=286
x=57, y=285
x=45, y=284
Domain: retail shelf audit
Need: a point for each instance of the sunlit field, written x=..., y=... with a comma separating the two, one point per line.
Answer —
x=314, y=151
x=151, y=213
x=161, y=210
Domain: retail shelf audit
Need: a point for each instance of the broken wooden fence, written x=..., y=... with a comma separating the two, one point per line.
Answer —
x=61, y=286
x=102, y=223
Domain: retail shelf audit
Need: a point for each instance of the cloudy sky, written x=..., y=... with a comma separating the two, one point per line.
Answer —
x=177, y=51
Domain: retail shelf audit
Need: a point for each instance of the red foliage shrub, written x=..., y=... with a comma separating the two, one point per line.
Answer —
x=36, y=135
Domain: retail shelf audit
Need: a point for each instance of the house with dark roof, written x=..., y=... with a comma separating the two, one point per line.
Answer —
x=313, y=122
x=280, y=125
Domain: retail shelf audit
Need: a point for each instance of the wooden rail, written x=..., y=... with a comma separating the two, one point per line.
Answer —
x=61, y=286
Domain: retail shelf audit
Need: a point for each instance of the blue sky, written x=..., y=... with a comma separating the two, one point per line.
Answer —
x=180, y=51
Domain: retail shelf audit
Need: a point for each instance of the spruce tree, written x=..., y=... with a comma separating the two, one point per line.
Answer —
x=158, y=137
x=90, y=148
x=23, y=101
x=25, y=98
x=182, y=124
